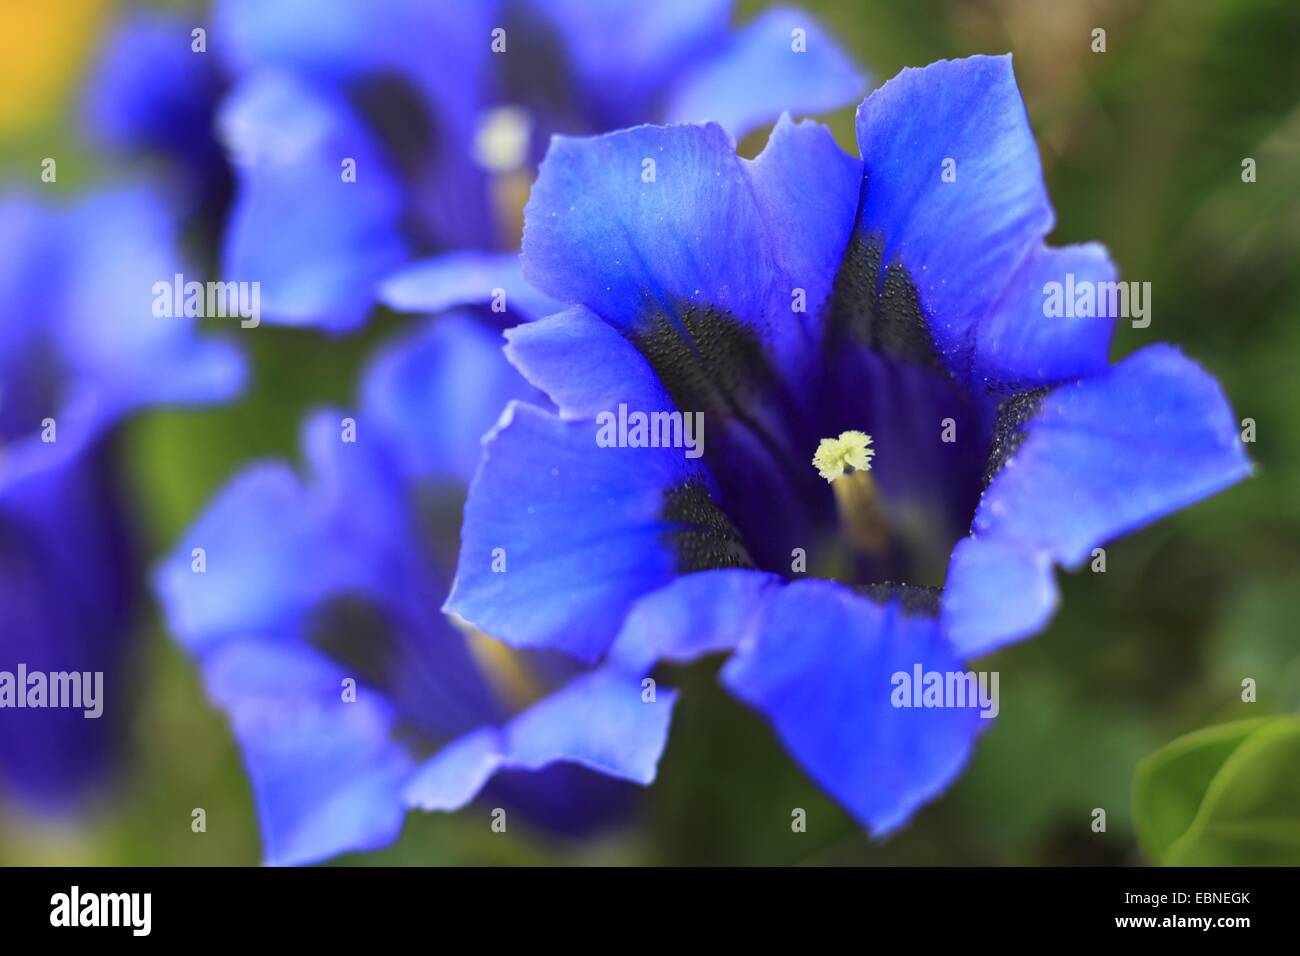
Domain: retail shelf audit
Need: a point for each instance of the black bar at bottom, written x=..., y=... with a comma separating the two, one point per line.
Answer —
x=337, y=905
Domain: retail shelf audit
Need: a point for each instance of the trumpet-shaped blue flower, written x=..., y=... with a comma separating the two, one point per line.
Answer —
x=80, y=348
x=368, y=135
x=313, y=608
x=900, y=443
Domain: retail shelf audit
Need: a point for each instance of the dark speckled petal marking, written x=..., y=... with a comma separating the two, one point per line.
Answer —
x=702, y=537
x=706, y=359
x=1009, y=431
x=881, y=313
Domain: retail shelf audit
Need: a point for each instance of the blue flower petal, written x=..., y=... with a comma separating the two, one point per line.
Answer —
x=453, y=777
x=362, y=498
x=954, y=192
x=820, y=669
x=584, y=365
x=101, y=351
x=1108, y=454
x=253, y=581
x=598, y=721
x=317, y=244
x=150, y=91
x=79, y=344
x=276, y=551
x=32, y=247
x=379, y=56
x=465, y=278
x=997, y=590
x=1101, y=457
x=338, y=44
x=275, y=547
x=696, y=615
x=326, y=773
x=597, y=233
x=330, y=39
x=1020, y=345
x=436, y=391
x=817, y=661
x=810, y=186
x=64, y=587
x=272, y=35
x=960, y=241
x=759, y=73
x=624, y=53
x=555, y=513
x=120, y=243
x=658, y=225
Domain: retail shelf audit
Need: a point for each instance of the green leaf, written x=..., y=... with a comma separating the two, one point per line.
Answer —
x=1223, y=796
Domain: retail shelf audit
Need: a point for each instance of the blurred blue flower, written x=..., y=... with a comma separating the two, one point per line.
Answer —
x=313, y=607
x=367, y=135
x=150, y=93
x=797, y=297
x=80, y=348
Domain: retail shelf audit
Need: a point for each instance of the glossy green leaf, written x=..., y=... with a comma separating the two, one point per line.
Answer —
x=1223, y=796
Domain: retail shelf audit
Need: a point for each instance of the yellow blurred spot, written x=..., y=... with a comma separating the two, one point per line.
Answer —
x=505, y=669
x=43, y=45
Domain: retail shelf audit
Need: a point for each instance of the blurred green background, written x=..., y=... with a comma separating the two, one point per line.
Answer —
x=1142, y=147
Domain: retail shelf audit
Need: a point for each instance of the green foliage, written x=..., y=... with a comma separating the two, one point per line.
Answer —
x=1223, y=796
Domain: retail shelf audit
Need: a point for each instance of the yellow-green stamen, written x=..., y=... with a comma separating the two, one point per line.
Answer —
x=852, y=450
x=845, y=462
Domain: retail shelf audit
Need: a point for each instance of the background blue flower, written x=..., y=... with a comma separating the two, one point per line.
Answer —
x=80, y=349
x=149, y=93
x=444, y=127
x=286, y=589
x=924, y=314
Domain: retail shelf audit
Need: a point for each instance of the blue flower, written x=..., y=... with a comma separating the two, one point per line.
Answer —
x=150, y=93
x=80, y=348
x=368, y=135
x=313, y=608
x=804, y=303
